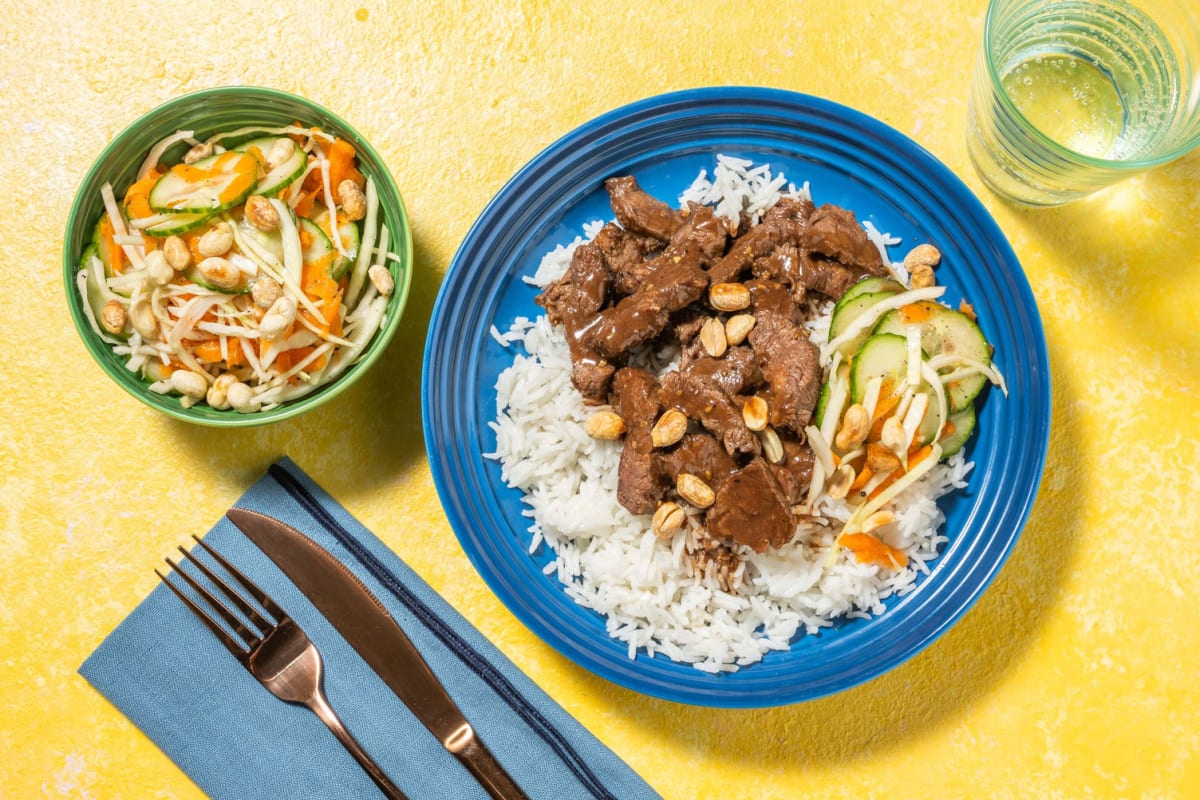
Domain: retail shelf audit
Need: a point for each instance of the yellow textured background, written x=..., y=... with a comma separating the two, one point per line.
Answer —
x=1075, y=676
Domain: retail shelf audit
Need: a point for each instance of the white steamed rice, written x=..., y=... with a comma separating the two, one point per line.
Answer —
x=609, y=560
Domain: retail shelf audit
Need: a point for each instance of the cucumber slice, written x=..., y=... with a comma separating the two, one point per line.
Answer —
x=944, y=330
x=351, y=241
x=175, y=224
x=318, y=247
x=845, y=313
x=964, y=425
x=99, y=250
x=882, y=355
x=212, y=184
x=281, y=175
x=822, y=402
x=869, y=285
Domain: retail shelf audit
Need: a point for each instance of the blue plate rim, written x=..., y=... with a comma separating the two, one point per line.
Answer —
x=749, y=100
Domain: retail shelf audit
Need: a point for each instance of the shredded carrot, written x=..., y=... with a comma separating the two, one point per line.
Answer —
x=319, y=285
x=916, y=312
x=867, y=548
x=209, y=352
x=861, y=479
x=116, y=254
x=341, y=165
x=137, y=196
x=306, y=200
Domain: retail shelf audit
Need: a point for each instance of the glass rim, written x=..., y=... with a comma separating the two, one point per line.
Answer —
x=1058, y=149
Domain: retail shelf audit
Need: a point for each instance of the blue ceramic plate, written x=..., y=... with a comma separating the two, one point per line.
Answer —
x=851, y=160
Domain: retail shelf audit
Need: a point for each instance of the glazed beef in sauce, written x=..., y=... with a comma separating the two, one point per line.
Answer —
x=645, y=280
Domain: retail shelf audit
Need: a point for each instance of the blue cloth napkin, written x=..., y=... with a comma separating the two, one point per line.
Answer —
x=179, y=685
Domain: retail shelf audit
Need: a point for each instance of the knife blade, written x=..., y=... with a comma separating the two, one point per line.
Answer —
x=374, y=634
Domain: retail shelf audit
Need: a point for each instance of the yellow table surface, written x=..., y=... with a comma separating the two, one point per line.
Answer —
x=1075, y=676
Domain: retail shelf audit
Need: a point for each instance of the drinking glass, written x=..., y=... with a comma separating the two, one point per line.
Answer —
x=1071, y=96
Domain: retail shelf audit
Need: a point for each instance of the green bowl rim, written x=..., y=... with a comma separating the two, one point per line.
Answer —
x=102, y=353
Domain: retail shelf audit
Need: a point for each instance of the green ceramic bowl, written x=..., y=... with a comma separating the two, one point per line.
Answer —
x=207, y=112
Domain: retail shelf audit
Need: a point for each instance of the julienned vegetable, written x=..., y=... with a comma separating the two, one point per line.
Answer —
x=251, y=273
x=902, y=373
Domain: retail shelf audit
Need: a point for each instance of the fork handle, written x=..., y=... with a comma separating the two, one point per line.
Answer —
x=320, y=706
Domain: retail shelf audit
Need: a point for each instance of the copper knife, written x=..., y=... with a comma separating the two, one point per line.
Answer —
x=364, y=622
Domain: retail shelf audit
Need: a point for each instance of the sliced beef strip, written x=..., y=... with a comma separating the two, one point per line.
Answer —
x=734, y=372
x=783, y=265
x=640, y=483
x=701, y=398
x=641, y=213
x=791, y=367
x=673, y=285
x=574, y=301
x=826, y=276
x=625, y=252
x=751, y=509
x=834, y=232
x=783, y=224
x=699, y=454
x=701, y=229
x=794, y=473
x=773, y=297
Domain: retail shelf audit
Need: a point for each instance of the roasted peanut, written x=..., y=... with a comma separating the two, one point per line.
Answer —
x=218, y=393
x=925, y=254
x=712, y=338
x=216, y=241
x=881, y=460
x=113, y=316
x=694, y=490
x=893, y=437
x=141, y=316
x=202, y=150
x=158, y=269
x=189, y=384
x=729, y=296
x=738, y=327
x=856, y=424
x=772, y=446
x=261, y=213
x=265, y=292
x=381, y=279
x=839, y=482
x=278, y=319
x=352, y=199
x=176, y=251
x=668, y=520
x=280, y=152
x=921, y=277
x=605, y=425
x=755, y=412
x=669, y=428
x=220, y=272
x=242, y=398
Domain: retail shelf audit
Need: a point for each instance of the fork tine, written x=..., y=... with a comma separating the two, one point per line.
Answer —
x=250, y=611
x=250, y=637
x=258, y=594
x=227, y=640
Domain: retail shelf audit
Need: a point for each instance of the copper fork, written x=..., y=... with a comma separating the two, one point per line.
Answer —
x=279, y=653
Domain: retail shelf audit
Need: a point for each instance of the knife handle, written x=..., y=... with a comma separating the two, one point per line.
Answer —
x=471, y=752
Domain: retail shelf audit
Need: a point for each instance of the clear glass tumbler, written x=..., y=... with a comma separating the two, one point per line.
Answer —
x=1071, y=96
